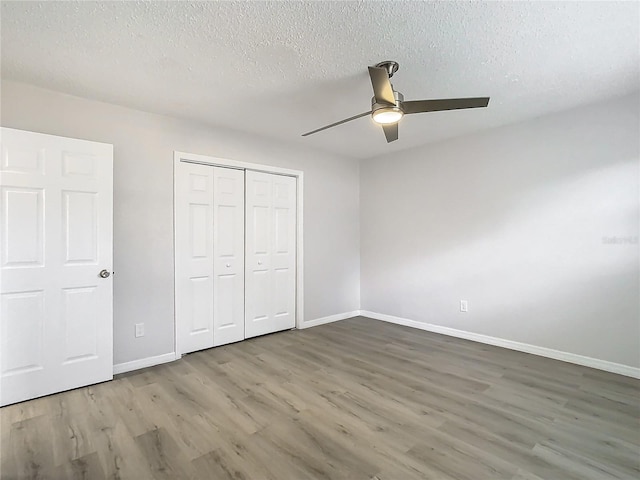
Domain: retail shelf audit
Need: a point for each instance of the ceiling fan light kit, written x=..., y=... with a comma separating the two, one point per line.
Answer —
x=384, y=113
x=388, y=106
x=387, y=115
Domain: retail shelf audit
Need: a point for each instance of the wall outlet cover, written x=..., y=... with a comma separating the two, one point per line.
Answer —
x=139, y=330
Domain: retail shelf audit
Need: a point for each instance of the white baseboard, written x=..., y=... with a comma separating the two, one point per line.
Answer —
x=143, y=363
x=619, y=368
x=329, y=319
x=170, y=357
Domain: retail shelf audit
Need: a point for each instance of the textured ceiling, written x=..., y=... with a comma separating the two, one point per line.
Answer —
x=279, y=69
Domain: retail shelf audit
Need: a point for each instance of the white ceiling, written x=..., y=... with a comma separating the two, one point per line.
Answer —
x=279, y=69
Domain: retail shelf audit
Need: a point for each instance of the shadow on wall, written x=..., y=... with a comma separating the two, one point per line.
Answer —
x=546, y=250
x=550, y=227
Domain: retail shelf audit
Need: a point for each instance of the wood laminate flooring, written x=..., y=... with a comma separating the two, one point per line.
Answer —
x=357, y=399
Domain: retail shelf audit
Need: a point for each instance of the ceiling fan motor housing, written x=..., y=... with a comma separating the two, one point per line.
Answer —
x=397, y=95
x=377, y=108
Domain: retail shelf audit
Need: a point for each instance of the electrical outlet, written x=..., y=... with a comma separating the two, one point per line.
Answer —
x=139, y=330
x=464, y=306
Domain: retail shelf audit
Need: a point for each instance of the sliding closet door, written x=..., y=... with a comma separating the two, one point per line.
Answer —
x=194, y=256
x=228, y=252
x=270, y=287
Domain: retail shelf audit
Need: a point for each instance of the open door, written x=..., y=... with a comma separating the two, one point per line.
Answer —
x=56, y=218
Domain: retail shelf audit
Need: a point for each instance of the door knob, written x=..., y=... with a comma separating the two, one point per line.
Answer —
x=228, y=265
x=104, y=274
x=259, y=262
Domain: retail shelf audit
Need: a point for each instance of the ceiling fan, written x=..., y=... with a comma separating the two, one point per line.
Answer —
x=388, y=105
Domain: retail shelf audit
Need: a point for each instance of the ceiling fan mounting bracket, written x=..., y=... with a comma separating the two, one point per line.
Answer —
x=390, y=66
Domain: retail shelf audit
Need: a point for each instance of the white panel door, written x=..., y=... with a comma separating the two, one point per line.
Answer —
x=228, y=252
x=209, y=256
x=194, y=256
x=270, y=287
x=56, y=218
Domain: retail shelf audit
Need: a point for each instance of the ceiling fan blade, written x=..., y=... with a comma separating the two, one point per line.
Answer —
x=420, y=106
x=338, y=123
x=382, y=90
x=391, y=132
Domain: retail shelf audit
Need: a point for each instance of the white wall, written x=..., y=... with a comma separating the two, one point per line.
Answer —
x=513, y=220
x=143, y=206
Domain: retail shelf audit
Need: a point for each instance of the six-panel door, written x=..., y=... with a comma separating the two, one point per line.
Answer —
x=235, y=263
x=56, y=322
x=209, y=256
x=270, y=283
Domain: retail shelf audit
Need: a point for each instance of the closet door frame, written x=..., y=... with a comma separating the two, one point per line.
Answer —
x=183, y=157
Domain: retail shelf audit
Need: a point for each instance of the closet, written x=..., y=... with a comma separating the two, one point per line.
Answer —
x=235, y=254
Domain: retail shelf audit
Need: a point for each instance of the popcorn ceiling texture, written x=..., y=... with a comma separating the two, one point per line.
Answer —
x=278, y=69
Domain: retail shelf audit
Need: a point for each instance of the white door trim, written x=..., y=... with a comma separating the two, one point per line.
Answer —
x=223, y=162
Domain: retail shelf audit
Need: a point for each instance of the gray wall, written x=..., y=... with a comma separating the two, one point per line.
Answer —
x=515, y=220
x=143, y=206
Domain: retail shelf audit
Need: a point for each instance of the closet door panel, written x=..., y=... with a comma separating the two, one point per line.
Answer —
x=194, y=256
x=284, y=250
x=270, y=257
x=258, y=249
x=228, y=251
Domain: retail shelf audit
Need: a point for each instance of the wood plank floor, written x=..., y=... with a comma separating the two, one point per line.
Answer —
x=358, y=399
